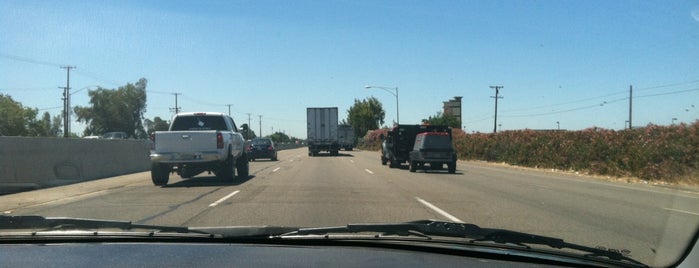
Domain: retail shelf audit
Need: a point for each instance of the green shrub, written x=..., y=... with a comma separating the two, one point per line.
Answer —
x=663, y=153
x=668, y=153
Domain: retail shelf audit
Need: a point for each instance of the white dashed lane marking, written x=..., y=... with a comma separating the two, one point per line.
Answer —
x=223, y=199
x=438, y=210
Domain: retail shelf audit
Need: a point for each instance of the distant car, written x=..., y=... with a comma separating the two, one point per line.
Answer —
x=263, y=148
x=92, y=137
x=248, y=146
x=115, y=135
x=434, y=149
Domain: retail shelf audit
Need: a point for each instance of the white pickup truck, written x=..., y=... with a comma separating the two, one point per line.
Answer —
x=198, y=142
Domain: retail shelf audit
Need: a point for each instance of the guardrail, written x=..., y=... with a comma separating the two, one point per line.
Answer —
x=28, y=163
x=286, y=146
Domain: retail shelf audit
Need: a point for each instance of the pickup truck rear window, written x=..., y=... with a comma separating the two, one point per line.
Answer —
x=199, y=123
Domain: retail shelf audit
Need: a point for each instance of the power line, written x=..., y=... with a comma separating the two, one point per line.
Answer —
x=28, y=60
x=668, y=93
x=159, y=92
x=669, y=85
x=606, y=95
x=27, y=89
x=596, y=105
x=49, y=108
x=566, y=103
x=97, y=77
x=202, y=102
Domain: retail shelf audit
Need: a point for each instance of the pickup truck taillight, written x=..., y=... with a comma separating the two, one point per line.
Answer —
x=219, y=140
x=152, y=141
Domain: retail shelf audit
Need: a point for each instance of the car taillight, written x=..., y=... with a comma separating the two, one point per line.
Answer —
x=270, y=148
x=152, y=141
x=219, y=140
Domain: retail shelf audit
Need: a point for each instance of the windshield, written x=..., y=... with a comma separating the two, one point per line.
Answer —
x=261, y=142
x=436, y=142
x=577, y=120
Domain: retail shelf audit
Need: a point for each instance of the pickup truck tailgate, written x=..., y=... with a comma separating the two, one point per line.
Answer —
x=185, y=141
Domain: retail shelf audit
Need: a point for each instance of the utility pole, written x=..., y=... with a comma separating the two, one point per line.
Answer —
x=248, y=120
x=66, y=102
x=496, y=97
x=177, y=108
x=630, y=103
x=229, y=109
x=260, y=135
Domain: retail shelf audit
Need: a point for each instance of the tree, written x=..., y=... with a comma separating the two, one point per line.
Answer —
x=247, y=133
x=119, y=109
x=157, y=124
x=15, y=119
x=365, y=115
x=46, y=127
x=443, y=119
x=279, y=137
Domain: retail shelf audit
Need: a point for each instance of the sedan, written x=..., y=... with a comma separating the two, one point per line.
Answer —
x=262, y=148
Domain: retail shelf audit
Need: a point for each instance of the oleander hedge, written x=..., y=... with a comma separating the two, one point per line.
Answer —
x=653, y=153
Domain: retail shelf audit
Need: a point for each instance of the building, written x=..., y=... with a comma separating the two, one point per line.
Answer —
x=453, y=108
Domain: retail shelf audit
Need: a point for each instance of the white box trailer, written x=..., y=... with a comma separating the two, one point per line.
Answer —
x=322, y=130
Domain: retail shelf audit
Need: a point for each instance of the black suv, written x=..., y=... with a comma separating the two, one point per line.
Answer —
x=435, y=149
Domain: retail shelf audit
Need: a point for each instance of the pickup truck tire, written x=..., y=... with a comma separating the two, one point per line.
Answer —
x=160, y=174
x=226, y=171
x=383, y=160
x=413, y=166
x=452, y=167
x=393, y=163
x=243, y=167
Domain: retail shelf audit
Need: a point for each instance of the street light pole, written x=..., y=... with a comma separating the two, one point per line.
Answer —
x=388, y=89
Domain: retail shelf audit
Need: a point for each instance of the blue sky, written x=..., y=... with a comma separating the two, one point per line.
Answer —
x=559, y=61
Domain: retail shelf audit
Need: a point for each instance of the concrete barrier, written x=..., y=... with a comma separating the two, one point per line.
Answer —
x=28, y=163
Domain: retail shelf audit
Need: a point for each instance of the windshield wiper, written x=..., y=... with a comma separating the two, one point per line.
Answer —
x=40, y=223
x=44, y=224
x=425, y=228
x=431, y=228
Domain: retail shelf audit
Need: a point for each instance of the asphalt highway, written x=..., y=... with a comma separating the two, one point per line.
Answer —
x=646, y=221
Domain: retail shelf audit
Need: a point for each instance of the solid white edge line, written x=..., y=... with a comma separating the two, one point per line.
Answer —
x=223, y=199
x=368, y=171
x=276, y=169
x=438, y=210
x=682, y=211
